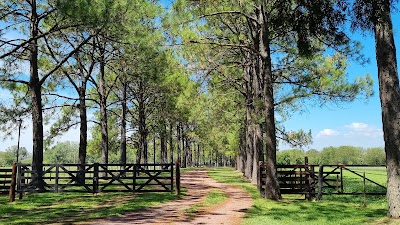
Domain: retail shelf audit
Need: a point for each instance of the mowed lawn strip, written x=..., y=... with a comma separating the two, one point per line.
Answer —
x=45, y=208
x=294, y=210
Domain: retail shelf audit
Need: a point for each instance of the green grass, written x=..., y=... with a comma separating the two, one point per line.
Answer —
x=353, y=183
x=293, y=209
x=65, y=208
x=188, y=169
x=213, y=197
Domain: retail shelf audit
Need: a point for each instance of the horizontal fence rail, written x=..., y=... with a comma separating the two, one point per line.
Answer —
x=316, y=180
x=5, y=180
x=95, y=178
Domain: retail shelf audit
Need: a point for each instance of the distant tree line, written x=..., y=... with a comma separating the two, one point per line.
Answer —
x=347, y=155
x=9, y=155
x=62, y=152
x=67, y=152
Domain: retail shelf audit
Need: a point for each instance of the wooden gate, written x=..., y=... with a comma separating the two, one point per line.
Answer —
x=293, y=179
x=94, y=178
x=5, y=180
x=297, y=179
x=160, y=178
x=8, y=180
x=312, y=179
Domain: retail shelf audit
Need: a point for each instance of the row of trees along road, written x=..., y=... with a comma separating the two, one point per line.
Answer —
x=238, y=43
x=260, y=42
x=211, y=79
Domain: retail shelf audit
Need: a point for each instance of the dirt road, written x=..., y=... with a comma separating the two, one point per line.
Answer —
x=198, y=184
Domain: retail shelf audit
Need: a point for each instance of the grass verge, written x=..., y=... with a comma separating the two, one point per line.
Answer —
x=65, y=208
x=214, y=197
x=335, y=210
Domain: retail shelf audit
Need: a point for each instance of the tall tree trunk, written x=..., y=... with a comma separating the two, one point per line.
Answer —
x=171, y=143
x=122, y=159
x=82, y=132
x=198, y=154
x=241, y=157
x=272, y=185
x=204, y=156
x=257, y=156
x=145, y=150
x=184, y=151
x=210, y=155
x=390, y=101
x=258, y=89
x=196, y=149
x=249, y=99
x=103, y=109
x=188, y=153
x=216, y=157
x=184, y=158
x=35, y=88
x=138, y=152
x=154, y=148
x=163, y=142
x=257, y=73
x=178, y=137
x=142, y=125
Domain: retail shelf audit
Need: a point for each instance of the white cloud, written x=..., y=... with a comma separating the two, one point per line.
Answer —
x=357, y=126
x=354, y=133
x=327, y=132
x=363, y=129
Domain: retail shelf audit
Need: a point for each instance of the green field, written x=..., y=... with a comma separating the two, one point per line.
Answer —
x=293, y=209
x=353, y=183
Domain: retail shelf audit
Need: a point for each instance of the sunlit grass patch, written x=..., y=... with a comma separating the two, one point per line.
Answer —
x=214, y=197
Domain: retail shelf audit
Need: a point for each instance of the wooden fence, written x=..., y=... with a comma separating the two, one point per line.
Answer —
x=7, y=181
x=316, y=180
x=89, y=178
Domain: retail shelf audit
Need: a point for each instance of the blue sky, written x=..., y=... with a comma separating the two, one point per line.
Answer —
x=358, y=123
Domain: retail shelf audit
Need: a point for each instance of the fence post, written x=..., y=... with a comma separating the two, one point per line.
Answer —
x=260, y=177
x=21, y=180
x=341, y=179
x=307, y=177
x=13, y=179
x=57, y=177
x=178, y=178
x=95, y=178
x=320, y=181
x=172, y=176
x=135, y=171
x=365, y=195
x=312, y=182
